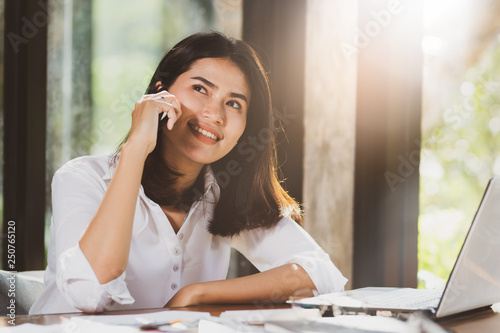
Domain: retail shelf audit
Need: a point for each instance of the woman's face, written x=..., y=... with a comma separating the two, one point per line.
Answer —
x=214, y=95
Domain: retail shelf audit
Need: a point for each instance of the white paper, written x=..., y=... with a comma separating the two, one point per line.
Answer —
x=261, y=316
x=331, y=324
x=74, y=325
x=108, y=323
x=32, y=328
x=207, y=326
x=148, y=318
x=375, y=323
x=82, y=325
x=223, y=325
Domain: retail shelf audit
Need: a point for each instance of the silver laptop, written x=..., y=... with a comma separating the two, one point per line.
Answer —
x=473, y=283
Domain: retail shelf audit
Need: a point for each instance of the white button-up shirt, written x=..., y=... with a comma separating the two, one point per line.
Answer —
x=160, y=261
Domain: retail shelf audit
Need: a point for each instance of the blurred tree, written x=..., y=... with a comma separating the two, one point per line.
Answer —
x=459, y=156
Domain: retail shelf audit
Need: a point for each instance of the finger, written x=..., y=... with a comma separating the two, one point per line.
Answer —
x=169, y=110
x=158, y=94
x=162, y=92
x=167, y=97
x=167, y=105
x=175, y=102
x=164, y=102
x=157, y=98
x=170, y=122
x=172, y=118
x=174, y=112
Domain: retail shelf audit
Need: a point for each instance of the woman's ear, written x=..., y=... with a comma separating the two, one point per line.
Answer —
x=158, y=86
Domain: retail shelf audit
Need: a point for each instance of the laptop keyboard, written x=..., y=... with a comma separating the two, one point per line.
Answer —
x=405, y=298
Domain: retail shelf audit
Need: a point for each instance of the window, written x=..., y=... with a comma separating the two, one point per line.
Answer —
x=460, y=127
x=102, y=55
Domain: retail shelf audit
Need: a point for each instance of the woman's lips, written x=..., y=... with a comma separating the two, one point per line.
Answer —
x=205, y=132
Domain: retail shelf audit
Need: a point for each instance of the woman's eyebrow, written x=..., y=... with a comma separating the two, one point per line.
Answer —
x=212, y=85
x=202, y=79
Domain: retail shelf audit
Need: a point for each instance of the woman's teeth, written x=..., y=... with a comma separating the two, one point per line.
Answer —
x=205, y=133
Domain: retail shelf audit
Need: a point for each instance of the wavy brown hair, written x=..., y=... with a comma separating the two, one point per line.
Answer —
x=251, y=195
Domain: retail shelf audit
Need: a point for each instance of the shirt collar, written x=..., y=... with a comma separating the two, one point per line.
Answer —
x=211, y=190
x=108, y=174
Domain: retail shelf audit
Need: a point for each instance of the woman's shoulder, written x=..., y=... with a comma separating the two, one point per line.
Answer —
x=98, y=165
x=284, y=225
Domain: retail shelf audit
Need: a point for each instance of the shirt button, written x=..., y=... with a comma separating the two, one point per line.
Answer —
x=181, y=236
x=176, y=268
x=173, y=286
x=177, y=251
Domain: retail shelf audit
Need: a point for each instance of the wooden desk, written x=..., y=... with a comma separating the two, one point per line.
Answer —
x=485, y=321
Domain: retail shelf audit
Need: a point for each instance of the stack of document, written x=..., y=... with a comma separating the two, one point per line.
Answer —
x=259, y=321
x=171, y=321
x=306, y=320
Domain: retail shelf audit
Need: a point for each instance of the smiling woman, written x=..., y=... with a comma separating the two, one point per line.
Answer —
x=212, y=94
x=152, y=226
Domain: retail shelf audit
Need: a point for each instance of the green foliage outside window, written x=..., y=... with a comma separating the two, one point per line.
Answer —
x=459, y=156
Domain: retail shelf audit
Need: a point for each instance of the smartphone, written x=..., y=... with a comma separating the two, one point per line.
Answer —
x=162, y=117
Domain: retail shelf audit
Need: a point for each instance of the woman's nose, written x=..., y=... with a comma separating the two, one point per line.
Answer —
x=214, y=111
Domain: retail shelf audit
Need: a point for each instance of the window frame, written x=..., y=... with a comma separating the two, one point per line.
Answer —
x=25, y=108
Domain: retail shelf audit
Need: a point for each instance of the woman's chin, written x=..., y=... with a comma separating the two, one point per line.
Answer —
x=204, y=159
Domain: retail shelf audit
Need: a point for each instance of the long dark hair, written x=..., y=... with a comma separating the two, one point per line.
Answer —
x=251, y=195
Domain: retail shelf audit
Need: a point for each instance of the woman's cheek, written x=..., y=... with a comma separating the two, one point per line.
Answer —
x=242, y=125
x=192, y=105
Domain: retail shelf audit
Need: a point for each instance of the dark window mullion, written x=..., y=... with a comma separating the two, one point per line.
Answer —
x=25, y=77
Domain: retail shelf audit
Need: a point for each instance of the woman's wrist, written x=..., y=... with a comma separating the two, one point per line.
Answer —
x=192, y=294
x=136, y=150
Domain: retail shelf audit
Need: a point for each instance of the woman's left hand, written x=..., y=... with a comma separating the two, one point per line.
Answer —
x=188, y=295
x=275, y=285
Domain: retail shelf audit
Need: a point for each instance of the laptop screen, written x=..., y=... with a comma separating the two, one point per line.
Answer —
x=475, y=279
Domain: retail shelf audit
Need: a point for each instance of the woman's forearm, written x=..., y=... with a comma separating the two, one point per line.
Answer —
x=275, y=285
x=106, y=241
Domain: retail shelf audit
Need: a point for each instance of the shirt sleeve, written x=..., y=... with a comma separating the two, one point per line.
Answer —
x=77, y=190
x=77, y=281
x=287, y=243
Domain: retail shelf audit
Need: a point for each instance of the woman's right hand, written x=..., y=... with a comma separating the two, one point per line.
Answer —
x=106, y=240
x=144, y=128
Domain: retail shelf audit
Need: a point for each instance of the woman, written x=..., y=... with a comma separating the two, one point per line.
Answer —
x=153, y=225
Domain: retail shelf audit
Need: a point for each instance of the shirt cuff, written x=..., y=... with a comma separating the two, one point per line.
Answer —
x=324, y=274
x=79, y=284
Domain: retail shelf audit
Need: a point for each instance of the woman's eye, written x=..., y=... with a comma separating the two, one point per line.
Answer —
x=199, y=88
x=234, y=105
